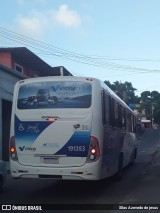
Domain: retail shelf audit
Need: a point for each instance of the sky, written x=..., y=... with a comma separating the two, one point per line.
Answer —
x=115, y=40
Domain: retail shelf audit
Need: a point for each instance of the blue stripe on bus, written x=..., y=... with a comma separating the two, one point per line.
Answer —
x=77, y=146
x=28, y=131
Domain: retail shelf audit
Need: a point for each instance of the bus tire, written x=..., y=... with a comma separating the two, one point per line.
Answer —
x=133, y=157
x=120, y=168
x=135, y=154
x=1, y=184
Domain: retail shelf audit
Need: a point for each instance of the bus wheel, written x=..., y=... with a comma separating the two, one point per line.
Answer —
x=135, y=153
x=1, y=184
x=120, y=168
x=134, y=157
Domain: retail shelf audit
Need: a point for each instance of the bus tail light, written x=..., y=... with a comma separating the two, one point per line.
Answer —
x=94, y=150
x=12, y=149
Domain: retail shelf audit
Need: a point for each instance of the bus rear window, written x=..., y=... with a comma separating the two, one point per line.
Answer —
x=58, y=94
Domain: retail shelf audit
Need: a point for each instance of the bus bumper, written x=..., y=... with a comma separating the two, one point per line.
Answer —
x=89, y=171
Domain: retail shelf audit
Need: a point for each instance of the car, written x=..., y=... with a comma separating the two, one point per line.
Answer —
x=3, y=174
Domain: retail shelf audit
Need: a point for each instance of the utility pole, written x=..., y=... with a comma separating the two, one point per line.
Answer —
x=151, y=110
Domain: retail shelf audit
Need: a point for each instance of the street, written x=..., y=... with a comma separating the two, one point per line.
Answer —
x=140, y=183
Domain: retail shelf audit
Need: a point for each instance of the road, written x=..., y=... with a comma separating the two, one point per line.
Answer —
x=140, y=183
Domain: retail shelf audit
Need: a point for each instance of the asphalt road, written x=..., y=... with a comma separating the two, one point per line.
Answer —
x=140, y=184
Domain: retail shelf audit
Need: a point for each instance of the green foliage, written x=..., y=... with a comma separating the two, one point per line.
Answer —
x=150, y=101
x=124, y=90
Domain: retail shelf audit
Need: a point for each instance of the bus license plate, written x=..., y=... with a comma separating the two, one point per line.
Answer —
x=50, y=160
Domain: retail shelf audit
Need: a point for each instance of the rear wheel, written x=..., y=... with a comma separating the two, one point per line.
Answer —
x=134, y=157
x=1, y=184
x=120, y=168
x=135, y=154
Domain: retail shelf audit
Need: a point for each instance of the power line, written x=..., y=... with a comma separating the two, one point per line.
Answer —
x=53, y=51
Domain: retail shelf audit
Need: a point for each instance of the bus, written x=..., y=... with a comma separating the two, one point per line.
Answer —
x=87, y=133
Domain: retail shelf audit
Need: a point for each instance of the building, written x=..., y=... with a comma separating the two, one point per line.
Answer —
x=8, y=79
x=61, y=71
x=26, y=62
x=16, y=64
x=146, y=121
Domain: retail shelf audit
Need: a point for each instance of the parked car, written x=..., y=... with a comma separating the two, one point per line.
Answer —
x=3, y=174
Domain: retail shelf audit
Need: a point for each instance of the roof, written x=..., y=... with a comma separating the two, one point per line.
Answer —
x=29, y=59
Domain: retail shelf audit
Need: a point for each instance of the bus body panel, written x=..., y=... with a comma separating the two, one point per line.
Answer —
x=115, y=142
x=53, y=143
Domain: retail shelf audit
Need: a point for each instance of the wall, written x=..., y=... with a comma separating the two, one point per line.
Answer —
x=8, y=79
x=5, y=59
x=8, y=61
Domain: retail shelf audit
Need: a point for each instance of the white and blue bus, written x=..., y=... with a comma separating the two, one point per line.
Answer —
x=72, y=128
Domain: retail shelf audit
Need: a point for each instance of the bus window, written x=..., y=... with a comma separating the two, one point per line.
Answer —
x=119, y=116
x=116, y=121
x=111, y=112
x=129, y=122
x=123, y=118
x=107, y=109
x=56, y=94
x=103, y=107
x=133, y=123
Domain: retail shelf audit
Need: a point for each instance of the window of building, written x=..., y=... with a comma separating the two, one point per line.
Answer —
x=19, y=68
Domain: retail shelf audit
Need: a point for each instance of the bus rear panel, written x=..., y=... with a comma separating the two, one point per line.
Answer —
x=51, y=131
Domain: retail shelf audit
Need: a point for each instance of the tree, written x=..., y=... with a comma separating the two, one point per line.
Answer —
x=124, y=90
x=151, y=103
x=156, y=106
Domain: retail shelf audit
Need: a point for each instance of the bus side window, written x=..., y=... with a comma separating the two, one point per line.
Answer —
x=123, y=118
x=133, y=123
x=103, y=107
x=111, y=111
x=116, y=114
x=119, y=116
x=107, y=116
x=129, y=122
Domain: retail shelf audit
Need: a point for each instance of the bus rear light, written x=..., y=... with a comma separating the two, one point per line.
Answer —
x=94, y=150
x=89, y=79
x=52, y=119
x=92, y=157
x=21, y=82
x=13, y=152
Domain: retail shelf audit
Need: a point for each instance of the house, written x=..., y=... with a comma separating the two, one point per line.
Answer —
x=16, y=64
x=26, y=62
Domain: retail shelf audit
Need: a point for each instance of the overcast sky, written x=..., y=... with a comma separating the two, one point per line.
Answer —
x=106, y=39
